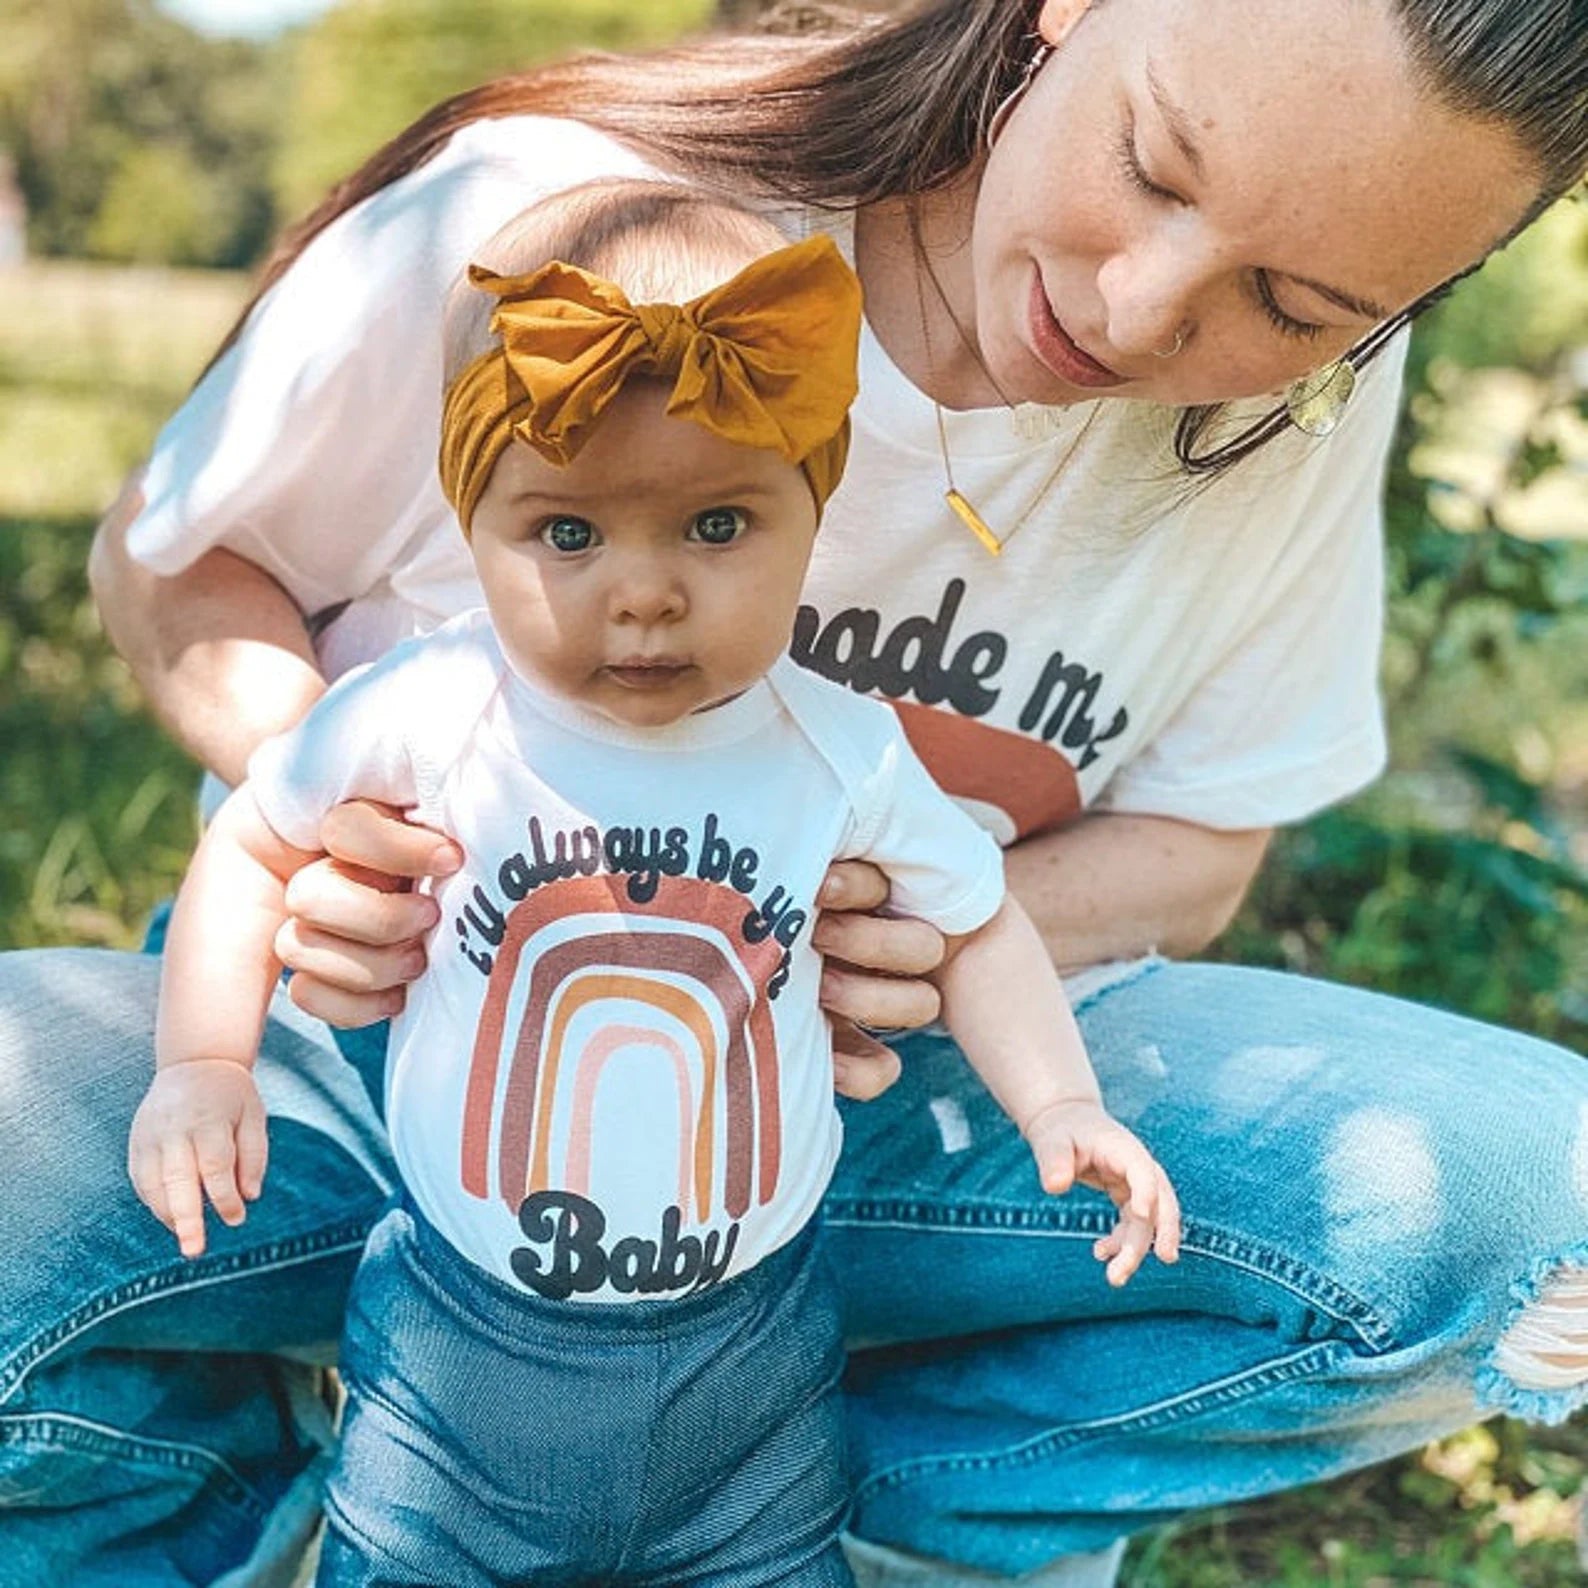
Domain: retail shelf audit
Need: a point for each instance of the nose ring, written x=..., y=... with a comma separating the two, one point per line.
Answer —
x=1179, y=342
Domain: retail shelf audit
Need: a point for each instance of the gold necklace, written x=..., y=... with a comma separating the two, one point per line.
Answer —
x=958, y=502
x=1028, y=421
x=966, y=512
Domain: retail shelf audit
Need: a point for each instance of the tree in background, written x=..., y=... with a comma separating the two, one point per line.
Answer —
x=135, y=138
x=363, y=72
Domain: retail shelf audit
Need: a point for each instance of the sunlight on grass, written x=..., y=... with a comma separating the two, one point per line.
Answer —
x=92, y=360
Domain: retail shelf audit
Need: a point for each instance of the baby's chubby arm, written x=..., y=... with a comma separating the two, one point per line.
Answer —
x=200, y=1129
x=1005, y=1005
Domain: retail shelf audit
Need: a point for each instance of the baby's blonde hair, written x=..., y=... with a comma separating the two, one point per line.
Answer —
x=661, y=242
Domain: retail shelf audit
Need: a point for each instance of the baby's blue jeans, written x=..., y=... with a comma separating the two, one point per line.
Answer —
x=493, y=1437
x=1386, y=1208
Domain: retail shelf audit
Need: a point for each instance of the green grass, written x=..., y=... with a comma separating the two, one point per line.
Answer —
x=99, y=803
x=92, y=359
x=1495, y=1507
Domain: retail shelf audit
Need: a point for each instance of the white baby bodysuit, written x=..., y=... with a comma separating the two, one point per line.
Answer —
x=614, y=1082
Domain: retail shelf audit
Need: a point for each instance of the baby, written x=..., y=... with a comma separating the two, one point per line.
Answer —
x=594, y=1338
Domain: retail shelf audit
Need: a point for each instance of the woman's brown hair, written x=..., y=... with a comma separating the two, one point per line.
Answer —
x=836, y=109
x=826, y=107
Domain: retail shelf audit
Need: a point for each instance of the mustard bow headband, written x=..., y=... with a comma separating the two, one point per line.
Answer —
x=767, y=359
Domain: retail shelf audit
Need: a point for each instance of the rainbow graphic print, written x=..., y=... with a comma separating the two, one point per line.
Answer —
x=584, y=973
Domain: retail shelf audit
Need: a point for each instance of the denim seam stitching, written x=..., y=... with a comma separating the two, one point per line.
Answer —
x=1317, y=1290
x=1144, y=967
x=170, y=1282
x=1177, y=1408
x=18, y=1427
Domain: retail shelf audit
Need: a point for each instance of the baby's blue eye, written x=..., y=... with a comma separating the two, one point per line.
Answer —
x=568, y=534
x=717, y=526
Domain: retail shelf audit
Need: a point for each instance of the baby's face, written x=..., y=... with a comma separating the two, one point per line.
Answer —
x=656, y=575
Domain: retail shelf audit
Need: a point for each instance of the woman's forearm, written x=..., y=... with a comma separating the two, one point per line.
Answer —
x=219, y=650
x=1111, y=887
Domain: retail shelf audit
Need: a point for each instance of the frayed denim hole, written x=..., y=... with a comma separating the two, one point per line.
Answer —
x=1539, y=1368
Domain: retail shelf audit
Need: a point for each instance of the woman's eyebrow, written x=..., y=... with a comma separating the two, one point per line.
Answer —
x=1178, y=125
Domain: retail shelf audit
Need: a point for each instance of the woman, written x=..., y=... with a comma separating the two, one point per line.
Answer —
x=1187, y=202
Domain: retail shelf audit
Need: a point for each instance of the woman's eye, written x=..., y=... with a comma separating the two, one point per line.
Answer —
x=1134, y=171
x=717, y=526
x=568, y=534
x=1285, y=324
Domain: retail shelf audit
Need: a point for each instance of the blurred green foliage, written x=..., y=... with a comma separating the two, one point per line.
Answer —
x=106, y=105
x=139, y=140
x=99, y=804
x=365, y=71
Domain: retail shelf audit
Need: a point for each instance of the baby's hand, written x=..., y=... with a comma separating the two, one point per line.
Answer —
x=199, y=1130
x=1082, y=1141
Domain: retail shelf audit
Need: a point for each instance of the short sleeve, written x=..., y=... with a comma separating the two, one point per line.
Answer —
x=387, y=731
x=1289, y=718
x=310, y=447
x=940, y=865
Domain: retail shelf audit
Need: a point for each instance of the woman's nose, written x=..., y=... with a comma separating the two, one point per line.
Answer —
x=1150, y=294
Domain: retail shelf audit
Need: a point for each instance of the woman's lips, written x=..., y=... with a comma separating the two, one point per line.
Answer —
x=1054, y=347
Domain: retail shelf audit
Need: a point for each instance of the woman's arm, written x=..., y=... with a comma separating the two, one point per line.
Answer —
x=1114, y=886
x=221, y=653
x=219, y=650
x=1104, y=887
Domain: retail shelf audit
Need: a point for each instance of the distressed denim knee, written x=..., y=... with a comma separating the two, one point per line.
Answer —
x=1540, y=1365
x=1481, y=1195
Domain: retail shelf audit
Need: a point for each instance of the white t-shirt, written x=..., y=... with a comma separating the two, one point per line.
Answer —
x=614, y=1082
x=1202, y=651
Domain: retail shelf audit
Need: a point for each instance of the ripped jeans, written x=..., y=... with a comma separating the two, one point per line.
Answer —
x=1386, y=1239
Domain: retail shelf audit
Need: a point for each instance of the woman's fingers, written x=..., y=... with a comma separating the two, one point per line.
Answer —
x=347, y=1011
x=355, y=934
x=863, y=1068
x=346, y=983
x=375, y=836
x=871, y=1000
x=897, y=945
x=359, y=906
x=353, y=967
x=853, y=885
x=870, y=975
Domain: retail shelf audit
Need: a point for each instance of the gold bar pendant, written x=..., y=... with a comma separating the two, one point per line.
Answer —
x=974, y=522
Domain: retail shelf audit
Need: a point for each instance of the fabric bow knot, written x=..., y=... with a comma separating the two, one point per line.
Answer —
x=767, y=359
x=667, y=330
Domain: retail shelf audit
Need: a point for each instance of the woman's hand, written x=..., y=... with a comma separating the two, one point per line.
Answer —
x=871, y=976
x=354, y=937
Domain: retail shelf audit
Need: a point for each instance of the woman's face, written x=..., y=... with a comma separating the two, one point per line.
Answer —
x=1258, y=180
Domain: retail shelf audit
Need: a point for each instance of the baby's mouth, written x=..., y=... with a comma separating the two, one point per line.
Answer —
x=648, y=672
